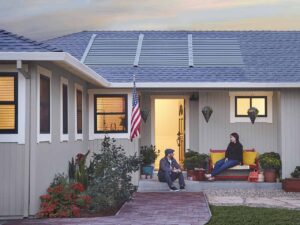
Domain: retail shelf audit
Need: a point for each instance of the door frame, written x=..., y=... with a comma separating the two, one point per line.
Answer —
x=186, y=115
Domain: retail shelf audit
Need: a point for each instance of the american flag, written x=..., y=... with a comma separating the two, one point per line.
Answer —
x=136, y=118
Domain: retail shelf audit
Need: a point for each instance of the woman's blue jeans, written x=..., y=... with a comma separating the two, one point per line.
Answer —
x=221, y=165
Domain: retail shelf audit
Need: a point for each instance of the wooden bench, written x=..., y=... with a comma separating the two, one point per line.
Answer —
x=239, y=172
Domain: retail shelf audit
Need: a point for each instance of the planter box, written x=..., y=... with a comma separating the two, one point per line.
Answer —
x=291, y=184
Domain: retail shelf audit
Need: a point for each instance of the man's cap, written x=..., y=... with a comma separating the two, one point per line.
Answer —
x=169, y=151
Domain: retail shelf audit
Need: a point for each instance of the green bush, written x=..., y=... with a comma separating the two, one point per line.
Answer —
x=78, y=171
x=194, y=160
x=110, y=184
x=270, y=160
x=296, y=173
x=149, y=154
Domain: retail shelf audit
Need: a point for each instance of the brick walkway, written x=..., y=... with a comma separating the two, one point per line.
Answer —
x=180, y=208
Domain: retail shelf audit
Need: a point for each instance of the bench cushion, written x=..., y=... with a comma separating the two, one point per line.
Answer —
x=239, y=167
x=216, y=156
x=249, y=157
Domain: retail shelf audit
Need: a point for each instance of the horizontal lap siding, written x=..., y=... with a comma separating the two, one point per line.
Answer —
x=215, y=133
x=290, y=130
x=11, y=179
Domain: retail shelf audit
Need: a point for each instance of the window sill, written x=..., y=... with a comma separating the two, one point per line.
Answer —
x=44, y=138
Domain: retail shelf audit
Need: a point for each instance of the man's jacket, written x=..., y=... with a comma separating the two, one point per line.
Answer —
x=166, y=167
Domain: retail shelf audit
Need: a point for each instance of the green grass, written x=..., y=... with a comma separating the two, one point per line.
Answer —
x=242, y=215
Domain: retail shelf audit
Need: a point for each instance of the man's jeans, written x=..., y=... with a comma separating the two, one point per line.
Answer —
x=221, y=165
x=170, y=177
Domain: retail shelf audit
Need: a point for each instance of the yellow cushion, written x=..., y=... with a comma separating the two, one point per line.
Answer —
x=216, y=156
x=249, y=158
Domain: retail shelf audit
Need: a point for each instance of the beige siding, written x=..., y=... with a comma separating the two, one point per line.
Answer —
x=47, y=159
x=215, y=133
x=290, y=130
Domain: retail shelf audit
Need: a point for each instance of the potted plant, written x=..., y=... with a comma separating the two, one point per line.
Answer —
x=271, y=164
x=195, y=164
x=292, y=184
x=149, y=155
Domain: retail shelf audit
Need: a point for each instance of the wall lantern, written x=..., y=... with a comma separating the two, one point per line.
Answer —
x=252, y=113
x=194, y=97
x=207, y=111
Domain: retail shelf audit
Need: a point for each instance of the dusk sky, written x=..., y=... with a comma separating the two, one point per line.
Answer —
x=39, y=19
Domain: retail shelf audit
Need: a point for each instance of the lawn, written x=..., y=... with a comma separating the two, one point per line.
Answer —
x=242, y=215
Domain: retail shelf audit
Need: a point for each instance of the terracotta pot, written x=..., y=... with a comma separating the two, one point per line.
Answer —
x=191, y=175
x=200, y=174
x=270, y=175
x=291, y=184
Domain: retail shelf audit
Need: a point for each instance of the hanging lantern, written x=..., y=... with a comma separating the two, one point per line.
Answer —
x=252, y=113
x=207, y=111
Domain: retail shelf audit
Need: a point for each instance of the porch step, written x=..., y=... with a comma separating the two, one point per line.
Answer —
x=152, y=185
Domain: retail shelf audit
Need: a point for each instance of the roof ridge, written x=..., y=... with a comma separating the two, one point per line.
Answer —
x=66, y=35
x=33, y=42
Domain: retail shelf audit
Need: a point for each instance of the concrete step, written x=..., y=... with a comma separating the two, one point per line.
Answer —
x=152, y=185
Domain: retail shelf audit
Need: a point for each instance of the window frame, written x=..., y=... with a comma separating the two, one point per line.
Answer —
x=250, y=98
x=64, y=136
x=78, y=136
x=250, y=93
x=125, y=96
x=15, y=102
x=43, y=137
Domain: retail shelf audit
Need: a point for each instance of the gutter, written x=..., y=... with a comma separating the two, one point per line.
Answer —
x=59, y=57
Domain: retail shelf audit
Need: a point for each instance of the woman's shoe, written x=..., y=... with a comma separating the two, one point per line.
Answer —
x=211, y=179
x=208, y=176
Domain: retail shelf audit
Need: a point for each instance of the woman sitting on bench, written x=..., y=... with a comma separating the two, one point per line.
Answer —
x=233, y=157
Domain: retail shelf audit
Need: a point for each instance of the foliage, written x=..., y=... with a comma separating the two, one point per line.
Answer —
x=63, y=199
x=78, y=170
x=270, y=160
x=194, y=160
x=237, y=215
x=110, y=184
x=149, y=154
x=296, y=172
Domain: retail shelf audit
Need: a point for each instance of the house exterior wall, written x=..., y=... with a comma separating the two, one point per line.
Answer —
x=290, y=130
x=48, y=159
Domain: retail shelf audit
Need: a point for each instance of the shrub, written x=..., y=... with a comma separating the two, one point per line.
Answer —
x=78, y=171
x=63, y=199
x=149, y=154
x=194, y=160
x=110, y=184
x=270, y=160
x=296, y=172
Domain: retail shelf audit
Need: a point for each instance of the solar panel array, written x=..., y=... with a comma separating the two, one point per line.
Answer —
x=169, y=52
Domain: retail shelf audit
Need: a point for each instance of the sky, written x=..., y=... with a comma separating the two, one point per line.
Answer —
x=41, y=19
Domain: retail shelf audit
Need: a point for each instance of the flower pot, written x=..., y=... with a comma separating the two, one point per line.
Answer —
x=200, y=174
x=148, y=170
x=270, y=175
x=191, y=175
x=291, y=185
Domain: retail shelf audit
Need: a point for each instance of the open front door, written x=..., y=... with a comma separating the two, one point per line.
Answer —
x=169, y=127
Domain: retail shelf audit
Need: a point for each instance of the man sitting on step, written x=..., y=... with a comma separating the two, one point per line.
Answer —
x=169, y=171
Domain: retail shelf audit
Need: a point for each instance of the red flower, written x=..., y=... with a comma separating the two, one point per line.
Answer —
x=45, y=197
x=79, y=157
x=58, y=189
x=49, y=190
x=75, y=210
x=78, y=187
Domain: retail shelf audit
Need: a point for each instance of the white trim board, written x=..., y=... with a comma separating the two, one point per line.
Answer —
x=64, y=137
x=47, y=73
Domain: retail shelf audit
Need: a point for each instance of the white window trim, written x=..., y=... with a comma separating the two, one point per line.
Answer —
x=47, y=73
x=20, y=136
x=63, y=137
x=92, y=134
x=78, y=87
x=268, y=94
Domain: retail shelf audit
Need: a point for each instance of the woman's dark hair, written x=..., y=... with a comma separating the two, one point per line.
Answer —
x=236, y=136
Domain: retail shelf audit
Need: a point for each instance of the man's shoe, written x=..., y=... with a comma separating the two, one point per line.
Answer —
x=182, y=188
x=208, y=176
x=173, y=189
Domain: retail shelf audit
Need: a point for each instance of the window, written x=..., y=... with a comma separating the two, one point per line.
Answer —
x=110, y=114
x=64, y=107
x=78, y=112
x=44, y=104
x=243, y=103
x=8, y=103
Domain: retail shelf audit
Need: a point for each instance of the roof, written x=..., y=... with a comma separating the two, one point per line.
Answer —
x=10, y=42
x=166, y=56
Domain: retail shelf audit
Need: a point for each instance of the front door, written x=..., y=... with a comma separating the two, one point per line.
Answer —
x=169, y=127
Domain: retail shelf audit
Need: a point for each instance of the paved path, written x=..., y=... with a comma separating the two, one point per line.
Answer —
x=164, y=208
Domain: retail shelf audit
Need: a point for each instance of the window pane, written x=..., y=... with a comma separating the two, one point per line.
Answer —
x=242, y=104
x=7, y=88
x=44, y=105
x=79, y=111
x=111, y=123
x=7, y=117
x=65, y=109
x=110, y=104
x=260, y=104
